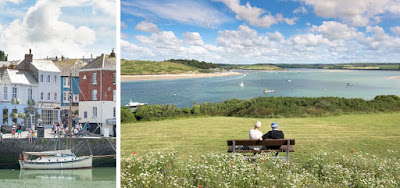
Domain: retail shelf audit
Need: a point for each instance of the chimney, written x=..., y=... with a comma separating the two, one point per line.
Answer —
x=62, y=58
x=112, y=53
x=91, y=56
x=56, y=58
x=28, y=60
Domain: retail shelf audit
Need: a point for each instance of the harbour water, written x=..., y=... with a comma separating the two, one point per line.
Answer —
x=364, y=84
x=96, y=177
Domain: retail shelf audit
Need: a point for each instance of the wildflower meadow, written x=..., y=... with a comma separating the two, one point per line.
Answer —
x=354, y=169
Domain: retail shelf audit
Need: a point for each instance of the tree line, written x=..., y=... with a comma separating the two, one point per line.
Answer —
x=195, y=63
x=267, y=107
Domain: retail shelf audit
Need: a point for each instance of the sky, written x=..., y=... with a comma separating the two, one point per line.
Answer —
x=73, y=28
x=261, y=31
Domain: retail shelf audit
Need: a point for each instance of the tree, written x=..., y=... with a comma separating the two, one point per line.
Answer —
x=3, y=56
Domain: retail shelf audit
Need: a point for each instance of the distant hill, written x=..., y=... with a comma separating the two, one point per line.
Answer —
x=134, y=67
x=347, y=66
x=194, y=63
x=253, y=67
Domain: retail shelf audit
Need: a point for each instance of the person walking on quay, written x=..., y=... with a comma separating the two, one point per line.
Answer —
x=19, y=130
x=13, y=129
x=53, y=129
x=30, y=136
x=1, y=137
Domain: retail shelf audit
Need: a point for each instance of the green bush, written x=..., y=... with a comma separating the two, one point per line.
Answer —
x=127, y=115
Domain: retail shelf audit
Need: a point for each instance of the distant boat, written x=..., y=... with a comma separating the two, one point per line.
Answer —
x=288, y=81
x=349, y=84
x=241, y=84
x=269, y=91
x=134, y=104
x=324, y=89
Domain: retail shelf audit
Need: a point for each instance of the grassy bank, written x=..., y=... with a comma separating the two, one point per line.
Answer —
x=132, y=67
x=372, y=133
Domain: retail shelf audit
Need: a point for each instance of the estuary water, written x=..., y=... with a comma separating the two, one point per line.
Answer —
x=87, y=178
x=364, y=84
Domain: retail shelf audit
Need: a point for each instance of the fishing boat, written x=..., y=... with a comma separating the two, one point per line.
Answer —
x=52, y=160
x=288, y=81
x=241, y=84
x=269, y=91
x=134, y=104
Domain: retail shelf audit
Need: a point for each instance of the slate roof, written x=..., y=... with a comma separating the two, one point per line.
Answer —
x=103, y=61
x=41, y=65
x=70, y=66
x=14, y=76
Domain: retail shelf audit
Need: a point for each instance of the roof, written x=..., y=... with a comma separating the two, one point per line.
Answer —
x=102, y=62
x=70, y=66
x=14, y=76
x=41, y=65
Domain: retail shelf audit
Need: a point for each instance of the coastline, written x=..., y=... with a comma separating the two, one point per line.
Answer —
x=126, y=78
x=394, y=77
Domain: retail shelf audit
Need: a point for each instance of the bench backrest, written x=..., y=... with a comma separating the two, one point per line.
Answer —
x=266, y=142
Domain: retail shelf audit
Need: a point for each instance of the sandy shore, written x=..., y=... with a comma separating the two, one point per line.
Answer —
x=125, y=78
x=394, y=77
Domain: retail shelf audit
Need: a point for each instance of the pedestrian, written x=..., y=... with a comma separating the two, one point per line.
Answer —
x=1, y=137
x=19, y=130
x=85, y=128
x=33, y=127
x=30, y=136
x=13, y=129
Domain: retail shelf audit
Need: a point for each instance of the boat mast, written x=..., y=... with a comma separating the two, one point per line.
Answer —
x=70, y=110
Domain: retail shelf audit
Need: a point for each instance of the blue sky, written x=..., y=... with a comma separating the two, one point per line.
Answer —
x=254, y=31
x=52, y=28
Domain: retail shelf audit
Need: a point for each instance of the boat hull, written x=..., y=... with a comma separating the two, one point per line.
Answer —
x=79, y=163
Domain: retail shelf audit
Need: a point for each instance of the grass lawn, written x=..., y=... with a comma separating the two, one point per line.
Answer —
x=368, y=133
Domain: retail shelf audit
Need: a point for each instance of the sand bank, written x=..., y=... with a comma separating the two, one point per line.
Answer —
x=125, y=78
x=394, y=77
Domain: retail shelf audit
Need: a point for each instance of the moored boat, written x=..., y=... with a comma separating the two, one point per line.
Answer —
x=134, y=104
x=51, y=160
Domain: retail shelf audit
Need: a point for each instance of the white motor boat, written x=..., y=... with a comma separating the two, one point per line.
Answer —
x=134, y=104
x=51, y=160
x=241, y=84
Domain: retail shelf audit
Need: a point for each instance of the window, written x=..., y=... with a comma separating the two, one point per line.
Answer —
x=48, y=96
x=114, y=78
x=41, y=96
x=5, y=93
x=85, y=114
x=55, y=79
x=55, y=96
x=30, y=96
x=49, y=116
x=114, y=112
x=65, y=97
x=48, y=79
x=41, y=78
x=66, y=82
x=76, y=98
x=94, y=78
x=94, y=95
x=114, y=95
x=94, y=112
x=14, y=92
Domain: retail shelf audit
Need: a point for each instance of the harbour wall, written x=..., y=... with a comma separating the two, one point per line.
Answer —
x=11, y=148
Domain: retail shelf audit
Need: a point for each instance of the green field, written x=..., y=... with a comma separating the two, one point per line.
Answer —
x=370, y=133
x=132, y=67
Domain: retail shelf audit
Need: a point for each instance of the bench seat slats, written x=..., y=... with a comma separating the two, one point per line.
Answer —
x=281, y=149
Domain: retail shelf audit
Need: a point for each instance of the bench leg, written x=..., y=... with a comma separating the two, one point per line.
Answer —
x=287, y=151
x=233, y=146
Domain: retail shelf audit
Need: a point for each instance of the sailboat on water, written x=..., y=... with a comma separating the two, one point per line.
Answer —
x=57, y=159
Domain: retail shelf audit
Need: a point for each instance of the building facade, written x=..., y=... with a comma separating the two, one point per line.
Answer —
x=97, y=81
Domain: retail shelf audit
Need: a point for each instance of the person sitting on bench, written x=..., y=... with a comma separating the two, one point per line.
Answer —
x=255, y=134
x=273, y=134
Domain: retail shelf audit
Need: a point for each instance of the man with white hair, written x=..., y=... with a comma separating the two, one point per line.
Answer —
x=255, y=134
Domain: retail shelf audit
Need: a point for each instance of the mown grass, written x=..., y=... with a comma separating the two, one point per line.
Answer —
x=370, y=133
x=133, y=67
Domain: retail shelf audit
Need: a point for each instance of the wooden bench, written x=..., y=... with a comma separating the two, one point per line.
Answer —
x=279, y=145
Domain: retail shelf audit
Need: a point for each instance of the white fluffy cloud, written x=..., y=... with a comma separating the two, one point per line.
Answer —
x=193, y=38
x=357, y=12
x=302, y=10
x=335, y=30
x=42, y=30
x=396, y=30
x=147, y=27
x=254, y=15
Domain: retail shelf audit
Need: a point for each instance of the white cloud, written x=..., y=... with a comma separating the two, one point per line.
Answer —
x=302, y=10
x=335, y=30
x=163, y=39
x=193, y=38
x=147, y=27
x=42, y=30
x=356, y=13
x=395, y=30
x=276, y=36
x=254, y=15
x=184, y=11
